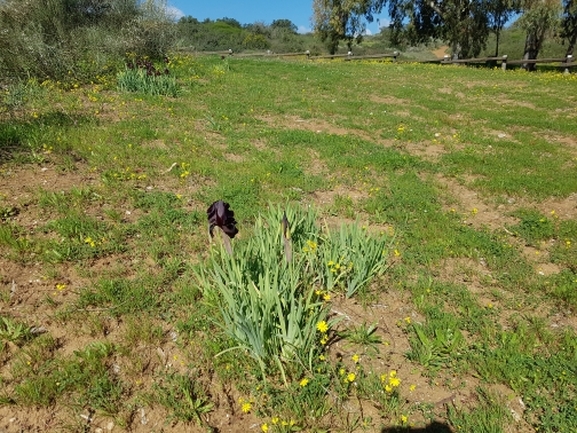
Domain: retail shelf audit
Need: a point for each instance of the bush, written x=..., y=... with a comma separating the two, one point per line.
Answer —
x=76, y=40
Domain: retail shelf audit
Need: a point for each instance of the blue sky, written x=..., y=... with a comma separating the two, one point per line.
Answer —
x=247, y=12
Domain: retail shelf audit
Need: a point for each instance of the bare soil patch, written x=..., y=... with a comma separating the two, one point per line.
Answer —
x=476, y=211
x=314, y=125
x=441, y=51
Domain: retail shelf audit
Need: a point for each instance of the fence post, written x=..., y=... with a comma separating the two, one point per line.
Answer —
x=446, y=58
x=568, y=60
x=395, y=54
x=504, y=63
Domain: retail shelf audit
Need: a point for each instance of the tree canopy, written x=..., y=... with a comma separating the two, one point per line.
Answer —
x=569, y=24
x=465, y=25
x=336, y=20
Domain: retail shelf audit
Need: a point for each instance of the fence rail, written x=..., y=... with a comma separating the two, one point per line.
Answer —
x=563, y=62
x=566, y=62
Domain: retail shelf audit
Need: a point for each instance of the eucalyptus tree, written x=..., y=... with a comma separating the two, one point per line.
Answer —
x=569, y=24
x=499, y=12
x=343, y=20
x=463, y=24
x=539, y=20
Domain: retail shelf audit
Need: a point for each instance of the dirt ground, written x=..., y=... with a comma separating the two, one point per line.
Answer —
x=28, y=286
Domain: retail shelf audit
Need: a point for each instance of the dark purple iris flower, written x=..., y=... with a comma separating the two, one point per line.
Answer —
x=220, y=215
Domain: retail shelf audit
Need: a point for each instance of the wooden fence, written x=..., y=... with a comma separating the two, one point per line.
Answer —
x=565, y=63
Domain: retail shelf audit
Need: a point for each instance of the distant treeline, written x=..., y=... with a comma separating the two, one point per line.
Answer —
x=227, y=33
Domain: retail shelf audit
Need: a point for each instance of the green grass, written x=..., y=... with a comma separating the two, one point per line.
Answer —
x=464, y=176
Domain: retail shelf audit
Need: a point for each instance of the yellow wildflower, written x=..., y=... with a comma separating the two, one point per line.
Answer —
x=264, y=427
x=310, y=247
x=304, y=382
x=351, y=377
x=246, y=407
x=355, y=358
x=322, y=326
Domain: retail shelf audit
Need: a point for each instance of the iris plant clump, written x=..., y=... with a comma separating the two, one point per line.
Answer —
x=142, y=75
x=273, y=290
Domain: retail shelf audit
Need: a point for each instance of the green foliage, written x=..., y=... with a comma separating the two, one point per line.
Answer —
x=489, y=416
x=437, y=343
x=527, y=360
x=268, y=306
x=14, y=331
x=184, y=396
x=569, y=24
x=138, y=80
x=350, y=258
x=363, y=335
x=335, y=21
x=224, y=34
x=464, y=28
x=76, y=41
x=273, y=301
x=534, y=227
x=84, y=378
x=539, y=20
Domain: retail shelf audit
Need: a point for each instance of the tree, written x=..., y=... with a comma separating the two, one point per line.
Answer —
x=569, y=24
x=499, y=12
x=463, y=24
x=539, y=18
x=337, y=20
x=286, y=25
x=230, y=21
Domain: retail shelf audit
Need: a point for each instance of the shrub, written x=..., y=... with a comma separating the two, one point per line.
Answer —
x=76, y=40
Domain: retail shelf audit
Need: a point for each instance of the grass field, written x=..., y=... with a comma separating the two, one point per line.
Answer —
x=433, y=282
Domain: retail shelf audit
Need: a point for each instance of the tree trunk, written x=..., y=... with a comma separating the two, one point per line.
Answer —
x=571, y=47
x=531, y=50
x=455, y=50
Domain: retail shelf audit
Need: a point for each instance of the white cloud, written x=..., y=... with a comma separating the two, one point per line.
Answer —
x=386, y=22
x=174, y=12
x=367, y=32
x=303, y=29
